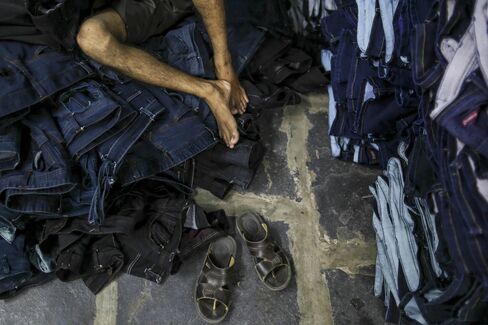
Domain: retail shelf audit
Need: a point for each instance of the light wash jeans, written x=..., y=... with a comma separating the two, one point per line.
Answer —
x=394, y=227
x=366, y=15
x=336, y=143
x=463, y=60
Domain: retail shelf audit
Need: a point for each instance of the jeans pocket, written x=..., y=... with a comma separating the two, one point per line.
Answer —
x=84, y=106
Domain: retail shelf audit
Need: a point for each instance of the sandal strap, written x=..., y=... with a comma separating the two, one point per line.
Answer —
x=216, y=283
x=221, y=276
x=265, y=249
x=208, y=291
x=265, y=267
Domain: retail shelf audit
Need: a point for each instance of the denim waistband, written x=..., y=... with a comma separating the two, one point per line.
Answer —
x=31, y=74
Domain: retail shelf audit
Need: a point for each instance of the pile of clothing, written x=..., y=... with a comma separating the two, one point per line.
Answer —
x=92, y=162
x=287, y=63
x=409, y=91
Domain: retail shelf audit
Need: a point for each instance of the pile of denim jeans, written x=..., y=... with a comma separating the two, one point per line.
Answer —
x=97, y=169
x=409, y=91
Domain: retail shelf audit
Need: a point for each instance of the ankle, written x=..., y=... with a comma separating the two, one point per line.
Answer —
x=208, y=90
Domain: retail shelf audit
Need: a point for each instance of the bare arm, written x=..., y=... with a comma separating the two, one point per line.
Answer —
x=102, y=38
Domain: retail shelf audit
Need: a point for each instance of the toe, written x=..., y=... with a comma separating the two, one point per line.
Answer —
x=234, y=138
x=246, y=99
x=242, y=107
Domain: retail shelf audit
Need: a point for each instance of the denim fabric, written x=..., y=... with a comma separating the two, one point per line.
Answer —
x=388, y=9
x=30, y=74
x=419, y=10
x=339, y=21
x=187, y=47
x=14, y=264
x=113, y=152
x=8, y=223
x=413, y=312
x=229, y=173
x=142, y=161
x=427, y=69
x=341, y=66
x=463, y=63
x=366, y=17
x=377, y=23
x=87, y=115
x=430, y=231
x=464, y=231
x=169, y=119
x=13, y=118
x=466, y=117
x=247, y=154
x=95, y=260
x=44, y=175
x=480, y=27
x=244, y=41
x=403, y=28
x=396, y=228
x=335, y=147
x=10, y=137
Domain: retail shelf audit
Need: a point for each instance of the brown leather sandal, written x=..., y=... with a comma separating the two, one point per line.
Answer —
x=270, y=261
x=216, y=281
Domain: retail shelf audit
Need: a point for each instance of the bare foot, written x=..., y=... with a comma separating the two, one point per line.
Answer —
x=238, y=97
x=218, y=98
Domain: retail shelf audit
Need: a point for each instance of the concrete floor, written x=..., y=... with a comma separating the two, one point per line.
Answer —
x=318, y=208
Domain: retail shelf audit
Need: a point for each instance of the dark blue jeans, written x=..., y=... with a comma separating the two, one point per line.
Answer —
x=15, y=268
x=10, y=137
x=87, y=115
x=466, y=118
x=30, y=74
x=44, y=175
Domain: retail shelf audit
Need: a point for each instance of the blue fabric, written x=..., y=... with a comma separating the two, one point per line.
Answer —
x=9, y=147
x=72, y=130
x=14, y=264
x=30, y=74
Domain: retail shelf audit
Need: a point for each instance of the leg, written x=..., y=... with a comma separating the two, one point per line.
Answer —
x=101, y=37
x=213, y=14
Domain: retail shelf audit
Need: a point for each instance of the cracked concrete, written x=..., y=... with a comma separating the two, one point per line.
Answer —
x=317, y=210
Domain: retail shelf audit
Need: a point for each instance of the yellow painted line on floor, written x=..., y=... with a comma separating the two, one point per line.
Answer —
x=106, y=305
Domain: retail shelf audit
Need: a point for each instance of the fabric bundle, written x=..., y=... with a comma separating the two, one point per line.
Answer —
x=97, y=169
x=408, y=87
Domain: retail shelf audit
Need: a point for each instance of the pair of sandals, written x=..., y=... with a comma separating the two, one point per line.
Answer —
x=218, y=277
